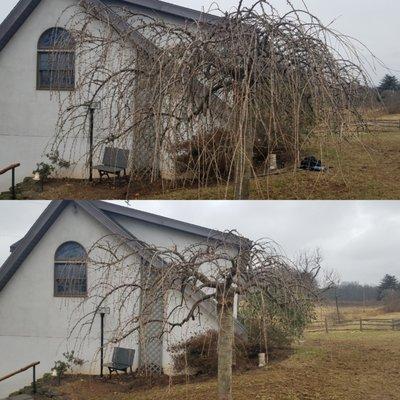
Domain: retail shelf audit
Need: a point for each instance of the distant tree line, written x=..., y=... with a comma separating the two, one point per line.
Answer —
x=352, y=292
x=387, y=293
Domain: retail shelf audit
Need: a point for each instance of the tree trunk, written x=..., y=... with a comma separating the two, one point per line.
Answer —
x=225, y=351
x=243, y=168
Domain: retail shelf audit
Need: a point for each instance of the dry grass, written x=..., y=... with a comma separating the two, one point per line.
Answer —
x=355, y=312
x=340, y=365
x=391, y=117
x=365, y=168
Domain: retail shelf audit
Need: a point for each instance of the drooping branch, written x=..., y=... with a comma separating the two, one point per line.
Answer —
x=209, y=101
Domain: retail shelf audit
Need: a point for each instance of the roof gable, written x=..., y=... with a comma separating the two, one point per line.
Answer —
x=23, y=248
x=102, y=212
x=15, y=19
x=24, y=8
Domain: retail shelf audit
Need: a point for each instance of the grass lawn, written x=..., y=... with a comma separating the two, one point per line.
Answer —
x=364, y=168
x=348, y=365
x=367, y=167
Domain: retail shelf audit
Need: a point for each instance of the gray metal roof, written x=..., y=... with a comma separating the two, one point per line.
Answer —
x=24, y=8
x=186, y=227
x=168, y=8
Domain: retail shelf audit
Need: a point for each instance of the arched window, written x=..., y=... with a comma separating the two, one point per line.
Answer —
x=56, y=60
x=70, y=272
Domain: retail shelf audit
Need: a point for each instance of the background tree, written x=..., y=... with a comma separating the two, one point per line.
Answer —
x=353, y=292
x=248, y=84
x=389, y=282
x=212, y=272
x=389, y=83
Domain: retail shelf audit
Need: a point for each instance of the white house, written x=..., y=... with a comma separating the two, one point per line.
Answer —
x=28, y=109
x=37, y=311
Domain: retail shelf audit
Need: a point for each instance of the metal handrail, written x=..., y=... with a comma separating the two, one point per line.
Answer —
x=33, y=366
x=11, y=168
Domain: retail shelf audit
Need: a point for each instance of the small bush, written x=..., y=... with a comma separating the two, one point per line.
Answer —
x=62, y=366
x=44, y=170
x=207, y=155
x=199, y=354
x=391, y=101
x=391, y=301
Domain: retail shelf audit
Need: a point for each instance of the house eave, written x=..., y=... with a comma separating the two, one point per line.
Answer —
x=24, y=8
x=15, y=20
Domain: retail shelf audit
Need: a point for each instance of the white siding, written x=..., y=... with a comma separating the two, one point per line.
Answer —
x=34, y=324
x=28, y=116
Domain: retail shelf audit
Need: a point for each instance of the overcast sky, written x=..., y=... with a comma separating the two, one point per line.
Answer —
x=359, y=240
x=374, y=22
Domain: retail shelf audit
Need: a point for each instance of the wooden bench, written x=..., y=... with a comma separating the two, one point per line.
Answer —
x=122, y=360
x=115, y=161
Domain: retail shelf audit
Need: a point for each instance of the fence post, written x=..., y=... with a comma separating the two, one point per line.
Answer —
x=393, y=325
x=326, y=325
x=361, y=325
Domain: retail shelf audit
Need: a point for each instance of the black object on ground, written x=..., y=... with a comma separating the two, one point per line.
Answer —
x=311, y=163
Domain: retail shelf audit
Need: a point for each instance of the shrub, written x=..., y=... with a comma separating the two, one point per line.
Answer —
x=199, y=354
x=208, y=156
x=62, y=366
x=391, y=101
x=391, y=300
x=274, y=325
x=44, y=170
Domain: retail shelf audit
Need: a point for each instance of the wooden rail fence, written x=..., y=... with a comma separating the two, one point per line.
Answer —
x=359, y=325
x=381, y=124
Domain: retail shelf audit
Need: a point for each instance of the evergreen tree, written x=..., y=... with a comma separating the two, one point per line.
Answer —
x=389, y=282
x=389, y=82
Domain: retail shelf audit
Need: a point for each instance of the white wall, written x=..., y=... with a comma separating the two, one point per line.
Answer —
x=27, y=116
x=35, y=325
x=162, y=236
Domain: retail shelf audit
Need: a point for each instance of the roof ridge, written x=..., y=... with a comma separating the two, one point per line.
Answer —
x=174, y=9
x=168, y=222
x=23, y=9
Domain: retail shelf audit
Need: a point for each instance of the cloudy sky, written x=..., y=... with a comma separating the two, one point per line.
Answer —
x=374, y=22
x=359, y=240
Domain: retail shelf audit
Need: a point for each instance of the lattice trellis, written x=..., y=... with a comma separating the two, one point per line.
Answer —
x=151, y=345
